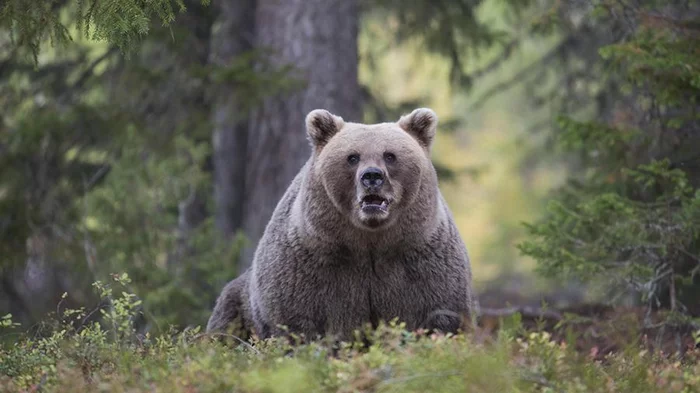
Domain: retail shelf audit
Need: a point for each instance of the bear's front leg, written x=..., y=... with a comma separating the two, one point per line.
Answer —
x=231, y=313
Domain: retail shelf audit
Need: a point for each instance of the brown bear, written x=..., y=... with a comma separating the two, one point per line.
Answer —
x=362, y=235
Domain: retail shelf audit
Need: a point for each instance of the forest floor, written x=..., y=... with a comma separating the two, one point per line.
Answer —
x=586, y=348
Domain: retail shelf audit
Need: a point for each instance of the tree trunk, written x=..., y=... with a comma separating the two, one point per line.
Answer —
x=318, y=38
x=232, y=36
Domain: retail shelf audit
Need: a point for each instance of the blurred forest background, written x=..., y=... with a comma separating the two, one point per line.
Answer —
x=155, y=138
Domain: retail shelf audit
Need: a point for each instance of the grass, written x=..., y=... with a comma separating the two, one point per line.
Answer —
x=108, y=356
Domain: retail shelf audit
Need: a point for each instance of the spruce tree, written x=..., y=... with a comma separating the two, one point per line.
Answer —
x=629, y=217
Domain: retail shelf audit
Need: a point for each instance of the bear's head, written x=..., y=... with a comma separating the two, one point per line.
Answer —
x=373, y=174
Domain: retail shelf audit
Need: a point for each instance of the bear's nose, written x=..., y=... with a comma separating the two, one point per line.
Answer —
x=372, y=177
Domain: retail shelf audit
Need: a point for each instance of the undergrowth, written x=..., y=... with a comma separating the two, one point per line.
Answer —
x=79, y=353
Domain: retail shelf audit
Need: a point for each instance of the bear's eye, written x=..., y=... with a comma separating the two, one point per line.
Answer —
x=389, y=157
x=353, y=159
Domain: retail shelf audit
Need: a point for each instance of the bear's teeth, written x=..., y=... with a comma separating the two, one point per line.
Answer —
x=383, y=205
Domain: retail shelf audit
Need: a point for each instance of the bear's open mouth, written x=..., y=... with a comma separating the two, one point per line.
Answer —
x=374, y=203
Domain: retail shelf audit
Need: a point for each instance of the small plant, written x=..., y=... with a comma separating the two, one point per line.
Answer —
x=6, y=322
x=121, y=310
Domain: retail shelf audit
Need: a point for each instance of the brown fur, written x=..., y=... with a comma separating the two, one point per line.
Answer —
x=324, y=267
x=232, y=310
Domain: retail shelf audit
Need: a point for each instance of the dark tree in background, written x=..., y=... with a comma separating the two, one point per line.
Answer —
x=233, y=38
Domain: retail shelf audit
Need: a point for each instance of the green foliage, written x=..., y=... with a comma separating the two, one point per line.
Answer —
x=639, y=244
x=31, y=23
x=631, y=216
x=85, y=185
x=79, y=355
x=120, y=309
x=132, y=224
x=38, y=184
x=6, y=321
x=119, y=22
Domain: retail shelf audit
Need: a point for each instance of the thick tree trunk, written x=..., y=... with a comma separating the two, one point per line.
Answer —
x=318, y=38
x=232, y=36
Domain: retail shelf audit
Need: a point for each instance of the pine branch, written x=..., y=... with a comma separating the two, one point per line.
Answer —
x=495, y=63
x=89, y=71
x=523, y=73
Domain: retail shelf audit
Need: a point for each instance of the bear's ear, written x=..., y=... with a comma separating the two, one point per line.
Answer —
x=321, y=125
x=422, y=124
